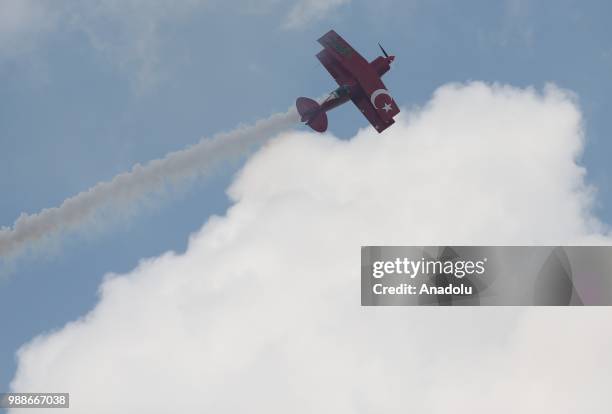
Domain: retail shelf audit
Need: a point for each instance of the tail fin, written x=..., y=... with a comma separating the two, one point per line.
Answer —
x=310, y=112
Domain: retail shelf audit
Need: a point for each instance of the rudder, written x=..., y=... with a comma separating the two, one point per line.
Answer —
x=310, y=114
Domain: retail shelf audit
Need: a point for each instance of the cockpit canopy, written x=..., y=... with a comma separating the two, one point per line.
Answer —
x=341, y=92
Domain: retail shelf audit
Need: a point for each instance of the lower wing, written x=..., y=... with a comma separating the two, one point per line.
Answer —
x=371, y=114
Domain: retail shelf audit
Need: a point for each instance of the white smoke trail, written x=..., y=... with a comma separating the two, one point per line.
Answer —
x=131, y=186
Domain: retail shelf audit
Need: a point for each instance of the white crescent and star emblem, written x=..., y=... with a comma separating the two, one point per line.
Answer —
x=386, y=107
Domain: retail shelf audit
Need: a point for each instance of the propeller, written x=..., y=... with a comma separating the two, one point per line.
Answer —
x=383, y=50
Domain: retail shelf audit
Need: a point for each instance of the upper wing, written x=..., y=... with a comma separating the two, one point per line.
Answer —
x=341, y=50
x=338, y=53
x=368, y=110
x=338, y=72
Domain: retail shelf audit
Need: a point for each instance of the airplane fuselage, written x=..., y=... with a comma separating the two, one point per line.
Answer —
x=345, y=92
x=359, y=80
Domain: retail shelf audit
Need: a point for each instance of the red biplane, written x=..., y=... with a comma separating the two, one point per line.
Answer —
x=359, y=81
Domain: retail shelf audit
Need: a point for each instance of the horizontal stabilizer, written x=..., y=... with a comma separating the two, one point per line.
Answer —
x=311, y=113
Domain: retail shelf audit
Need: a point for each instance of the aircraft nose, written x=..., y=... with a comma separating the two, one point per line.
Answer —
x=391, y=59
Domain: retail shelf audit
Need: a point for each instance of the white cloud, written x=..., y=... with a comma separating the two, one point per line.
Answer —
x=305, y=11
x=22, y=23
x=262, y=314
x=128, y=32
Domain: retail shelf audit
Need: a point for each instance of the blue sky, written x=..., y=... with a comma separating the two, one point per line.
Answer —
x=85, y=98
